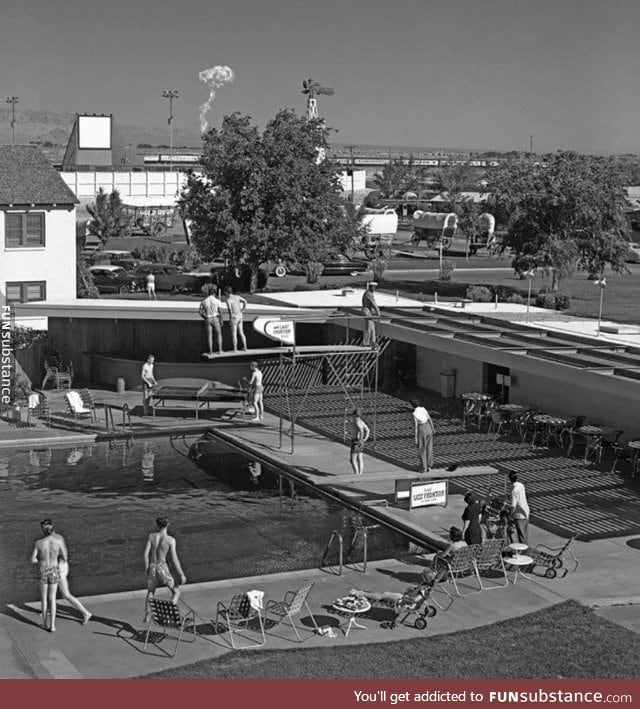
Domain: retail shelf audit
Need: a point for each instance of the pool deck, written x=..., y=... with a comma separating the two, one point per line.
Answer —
x=111, y=644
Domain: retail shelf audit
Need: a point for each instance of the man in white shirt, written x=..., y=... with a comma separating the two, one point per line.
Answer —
x=148, y=382
x=151, y=286
x=423, y=435
x=519, y=508
x=210, y=313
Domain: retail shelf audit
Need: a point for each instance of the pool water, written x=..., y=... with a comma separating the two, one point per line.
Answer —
x=231, y=517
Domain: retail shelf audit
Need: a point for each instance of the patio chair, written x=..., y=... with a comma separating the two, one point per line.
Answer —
x=575, y=439
x=38, y=407
x=526, y=425
x=593, y=448
x=88, y=402
x=610, y=442
x=53, y=372
x=239, y=612
x=496, y=421
x=489, y=558
x=459, y=564
x=292, y=605
x=168, y=615
x=572, y=425
x=621, y=451
x=553, y=558
x=76, y=407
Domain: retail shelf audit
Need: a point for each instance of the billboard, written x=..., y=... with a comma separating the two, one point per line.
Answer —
x=94, y=132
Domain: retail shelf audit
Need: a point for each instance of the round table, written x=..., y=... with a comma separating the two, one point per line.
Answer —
x=517, y=547
x=352, y=613
x=475, y=396
x=550, y=423
x=596, y=430
x=518, y=561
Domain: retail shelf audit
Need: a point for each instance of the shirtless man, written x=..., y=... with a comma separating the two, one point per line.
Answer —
x=258, y=390
x=47, y=553
x=359, y=435
x=159, y=546
x=236, y=305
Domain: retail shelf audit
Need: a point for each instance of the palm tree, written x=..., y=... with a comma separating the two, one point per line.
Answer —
x=108, y=216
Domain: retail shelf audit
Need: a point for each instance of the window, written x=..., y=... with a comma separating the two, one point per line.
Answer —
x=23, y=229
x=26, y=292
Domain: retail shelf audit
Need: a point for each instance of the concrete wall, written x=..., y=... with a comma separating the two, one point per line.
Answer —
x=54, y=263
x=429, y=364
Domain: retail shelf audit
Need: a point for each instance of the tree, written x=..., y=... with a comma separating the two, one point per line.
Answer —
x=267, y=196
x=397, y=177
x=566, y=214
x=108, y=216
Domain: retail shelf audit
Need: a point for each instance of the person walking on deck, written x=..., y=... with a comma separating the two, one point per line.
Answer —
x=423, y=435
x=47, y=553
x=519, y=508
x=359, y=435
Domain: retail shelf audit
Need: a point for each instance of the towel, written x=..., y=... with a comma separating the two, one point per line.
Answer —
x=256, y=599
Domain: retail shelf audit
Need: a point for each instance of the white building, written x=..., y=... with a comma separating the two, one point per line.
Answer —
x=38, y=229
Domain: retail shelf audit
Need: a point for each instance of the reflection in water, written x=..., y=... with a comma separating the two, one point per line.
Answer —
x=75, y=456
x=4, y=469
x=148, y=463
x=40, y=458
x=255, y=471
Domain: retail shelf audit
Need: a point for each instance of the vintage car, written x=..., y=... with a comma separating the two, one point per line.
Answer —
x=170, y=278
x=114, y=279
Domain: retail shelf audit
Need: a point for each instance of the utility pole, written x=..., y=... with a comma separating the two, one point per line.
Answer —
x=352, y=169
x=13, y=100
x=170, y=94
x=531, y=145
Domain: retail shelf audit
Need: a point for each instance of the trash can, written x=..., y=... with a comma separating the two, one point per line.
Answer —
x=121, y=386
x=447, y=383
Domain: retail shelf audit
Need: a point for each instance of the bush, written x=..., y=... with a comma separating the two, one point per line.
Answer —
x=504, y=293
x=479, y=294
x=379, y=266
x=546, y=300
x=563, y=300
x=313, y=270
x=517, y=299
x=448, y=267
x=209, y=289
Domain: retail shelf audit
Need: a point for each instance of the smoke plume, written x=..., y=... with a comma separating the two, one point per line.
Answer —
x=214, y=78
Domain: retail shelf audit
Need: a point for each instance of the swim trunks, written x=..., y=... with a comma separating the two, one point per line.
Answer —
x=159, y=575
x=357, y=446
x=48, y=575
x=258, y=389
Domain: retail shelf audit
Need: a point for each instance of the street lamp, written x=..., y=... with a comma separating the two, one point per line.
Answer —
x=171, y=94
x=13, y=100
x=127, y=148
x=602, y=283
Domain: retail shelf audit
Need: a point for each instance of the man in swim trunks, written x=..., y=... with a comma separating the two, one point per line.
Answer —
x=255, y=384
x=160, y=547
x=236, y=305
x=359, y=435
x=47, y=553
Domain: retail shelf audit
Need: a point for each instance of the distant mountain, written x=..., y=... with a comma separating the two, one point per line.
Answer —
x=55, y=128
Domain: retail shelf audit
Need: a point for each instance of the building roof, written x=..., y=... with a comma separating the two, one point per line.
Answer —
x=27, y=177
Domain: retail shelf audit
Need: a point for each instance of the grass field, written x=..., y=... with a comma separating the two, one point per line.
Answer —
x=567, y=640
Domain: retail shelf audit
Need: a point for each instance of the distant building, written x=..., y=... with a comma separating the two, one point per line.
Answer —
x=37, y=227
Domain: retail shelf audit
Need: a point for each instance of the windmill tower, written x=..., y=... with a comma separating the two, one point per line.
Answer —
x=313, y=89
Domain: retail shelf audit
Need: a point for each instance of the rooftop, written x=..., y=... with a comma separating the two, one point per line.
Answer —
x=27, y=177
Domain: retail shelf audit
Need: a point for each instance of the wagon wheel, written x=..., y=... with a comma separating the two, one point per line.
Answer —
x=550, y=573
x=431, y=611
x=280, y=270
x=421, y=623
x=370, y=252
x=416, y=238
x=159, y=228
x=446, y=242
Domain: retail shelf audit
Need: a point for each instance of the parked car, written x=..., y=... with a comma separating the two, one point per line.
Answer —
x=339, y=266
x=130, y=264
x=170, y=278
x=114, y=279
x=633, y=253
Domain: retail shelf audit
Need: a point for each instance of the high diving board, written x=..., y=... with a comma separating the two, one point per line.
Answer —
x=305, y=350
x=390, y=475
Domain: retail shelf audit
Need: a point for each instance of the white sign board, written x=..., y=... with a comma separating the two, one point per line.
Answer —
x=282, y=331
x=434, y=492
x=94, y=132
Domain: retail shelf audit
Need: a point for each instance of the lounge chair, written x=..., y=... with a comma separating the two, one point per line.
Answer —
x=488, y=557
x=552, y=558
x=237, y=614
x=168, y=615
x=292, y=605
x=76, y=407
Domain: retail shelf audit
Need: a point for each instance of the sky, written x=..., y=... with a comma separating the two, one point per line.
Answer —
x=480, y=74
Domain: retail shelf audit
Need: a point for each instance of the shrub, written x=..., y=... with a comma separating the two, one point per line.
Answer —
x=479, y=294
x=563, y=300
x=209, y=289
x=546, y=300
x=504, y=293
x=448, y=267
x=517, y=299
x=379, y=266
x=313, y=270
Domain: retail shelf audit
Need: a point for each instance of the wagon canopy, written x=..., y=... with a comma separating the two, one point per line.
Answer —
x=434, y=220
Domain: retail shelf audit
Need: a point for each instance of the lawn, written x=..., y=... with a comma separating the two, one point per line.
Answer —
x=567, y=640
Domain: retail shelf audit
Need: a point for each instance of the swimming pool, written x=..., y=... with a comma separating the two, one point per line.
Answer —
x=231, y=517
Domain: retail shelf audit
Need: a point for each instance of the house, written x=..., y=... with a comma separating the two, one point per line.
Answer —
x=37, y=228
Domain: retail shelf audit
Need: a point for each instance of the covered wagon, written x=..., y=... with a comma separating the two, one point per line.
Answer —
x=437, y=229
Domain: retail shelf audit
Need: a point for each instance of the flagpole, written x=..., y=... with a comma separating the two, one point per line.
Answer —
x=602, y=283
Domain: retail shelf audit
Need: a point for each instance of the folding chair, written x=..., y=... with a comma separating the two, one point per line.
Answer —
x=489, y=558
x=167, y=615
x=460, y=563
x=54, y=373
x=291, y=606
x=239, y=611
